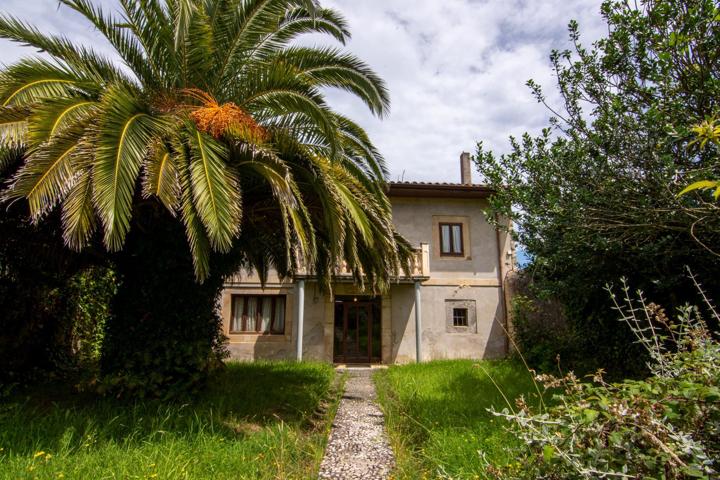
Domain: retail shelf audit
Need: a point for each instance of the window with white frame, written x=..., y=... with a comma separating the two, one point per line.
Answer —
x=261, y=314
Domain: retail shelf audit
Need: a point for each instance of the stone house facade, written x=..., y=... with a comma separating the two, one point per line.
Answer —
x=453, y=304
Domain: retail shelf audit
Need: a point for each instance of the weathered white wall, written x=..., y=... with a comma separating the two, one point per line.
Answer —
x=277, y=347
x=413, y=218
x=488, y=341
x=476, y=277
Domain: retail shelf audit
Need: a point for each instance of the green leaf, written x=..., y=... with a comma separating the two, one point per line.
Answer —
x=701, y=185
x=47, y=175
x=161, y=179
x=548, y=453
x=590, y=415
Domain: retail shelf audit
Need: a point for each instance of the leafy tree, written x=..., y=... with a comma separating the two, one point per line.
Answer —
x=218, y=118
x=52, y=300
x=594, y=196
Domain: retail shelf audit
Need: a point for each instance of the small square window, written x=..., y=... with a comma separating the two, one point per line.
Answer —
x=460, y=317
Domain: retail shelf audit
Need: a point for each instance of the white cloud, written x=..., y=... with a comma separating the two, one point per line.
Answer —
x=456, y=69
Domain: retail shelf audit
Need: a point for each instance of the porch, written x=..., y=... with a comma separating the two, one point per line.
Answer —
x=347, y=326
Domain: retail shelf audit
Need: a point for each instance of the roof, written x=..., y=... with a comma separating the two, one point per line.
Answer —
x=438, y=190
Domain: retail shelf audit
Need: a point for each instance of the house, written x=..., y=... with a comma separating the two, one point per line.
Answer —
x=454, y=297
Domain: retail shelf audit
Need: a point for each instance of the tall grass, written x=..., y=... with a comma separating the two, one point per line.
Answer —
x=437, y=415
x=257, y=420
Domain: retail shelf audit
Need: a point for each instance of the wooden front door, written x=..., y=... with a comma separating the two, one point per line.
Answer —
x=357, y=332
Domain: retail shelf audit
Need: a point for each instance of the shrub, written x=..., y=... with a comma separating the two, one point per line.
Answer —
x=666, y=426
x=541, y=332
x=164, y=335
x=35, y=307
x=547, y=339
x=86, y=299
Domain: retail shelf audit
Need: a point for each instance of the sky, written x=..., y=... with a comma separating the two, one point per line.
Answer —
x=456, y=69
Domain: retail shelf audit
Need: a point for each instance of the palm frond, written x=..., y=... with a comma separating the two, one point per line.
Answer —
x=194, y=229
x=300, y=21
x=328, y=67
x=255, y=20
x=78, y=213
x=11, y=157
x=216, y=192
x=182, y=11
x=122, y=40
x=200, y=51
x=357, y=145
x=13, y=124
x=161, y=178
x=33, y=80
x=122, y=141
x=51, y=117
x=78, y=58
x=275, y=90
x=47, y=175
x=295, y=23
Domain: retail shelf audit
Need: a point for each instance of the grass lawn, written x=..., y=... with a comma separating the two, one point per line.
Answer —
x=257, y=420
x=437, y=418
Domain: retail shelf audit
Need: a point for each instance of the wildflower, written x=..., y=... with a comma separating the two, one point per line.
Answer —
x=39, y=454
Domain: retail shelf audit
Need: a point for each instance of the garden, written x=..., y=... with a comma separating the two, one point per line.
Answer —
x=259, y=420
x=131, y=187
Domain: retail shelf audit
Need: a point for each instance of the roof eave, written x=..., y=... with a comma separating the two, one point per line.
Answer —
x=438, y=190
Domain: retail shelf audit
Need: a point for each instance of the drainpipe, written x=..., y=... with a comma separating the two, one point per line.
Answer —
x=418, y=322
x=300, y=317
x=504, y=301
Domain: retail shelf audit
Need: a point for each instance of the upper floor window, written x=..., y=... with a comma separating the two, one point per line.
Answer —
x=451, y=239
x=264, y=314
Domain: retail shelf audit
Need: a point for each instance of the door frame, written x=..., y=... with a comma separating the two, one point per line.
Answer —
x=373, y=305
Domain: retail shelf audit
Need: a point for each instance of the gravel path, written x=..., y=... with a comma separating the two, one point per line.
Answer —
x=358, y=447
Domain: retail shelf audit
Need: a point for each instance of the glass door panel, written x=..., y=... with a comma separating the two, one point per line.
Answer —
x=357, y=332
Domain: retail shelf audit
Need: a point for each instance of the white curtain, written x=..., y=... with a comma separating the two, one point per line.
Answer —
x=266, y=314
x=279, y=326
x=445, y=243
x=258, y=309
x=236, y=324
x=251, y=314
x=457, y=239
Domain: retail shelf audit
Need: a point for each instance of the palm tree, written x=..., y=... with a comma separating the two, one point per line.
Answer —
x=217, y=114
x=216, y=117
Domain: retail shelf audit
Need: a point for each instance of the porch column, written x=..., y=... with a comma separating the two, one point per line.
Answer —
x=418, y=322
x=300, y=317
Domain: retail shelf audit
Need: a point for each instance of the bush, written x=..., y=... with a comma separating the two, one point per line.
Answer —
x=667, y=426
x=548, y=340
x=164, y=335
x=44, y=305
x=541, y=332
x=86, y=298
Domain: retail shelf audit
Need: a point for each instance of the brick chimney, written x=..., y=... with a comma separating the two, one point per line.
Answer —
x=465, y=175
